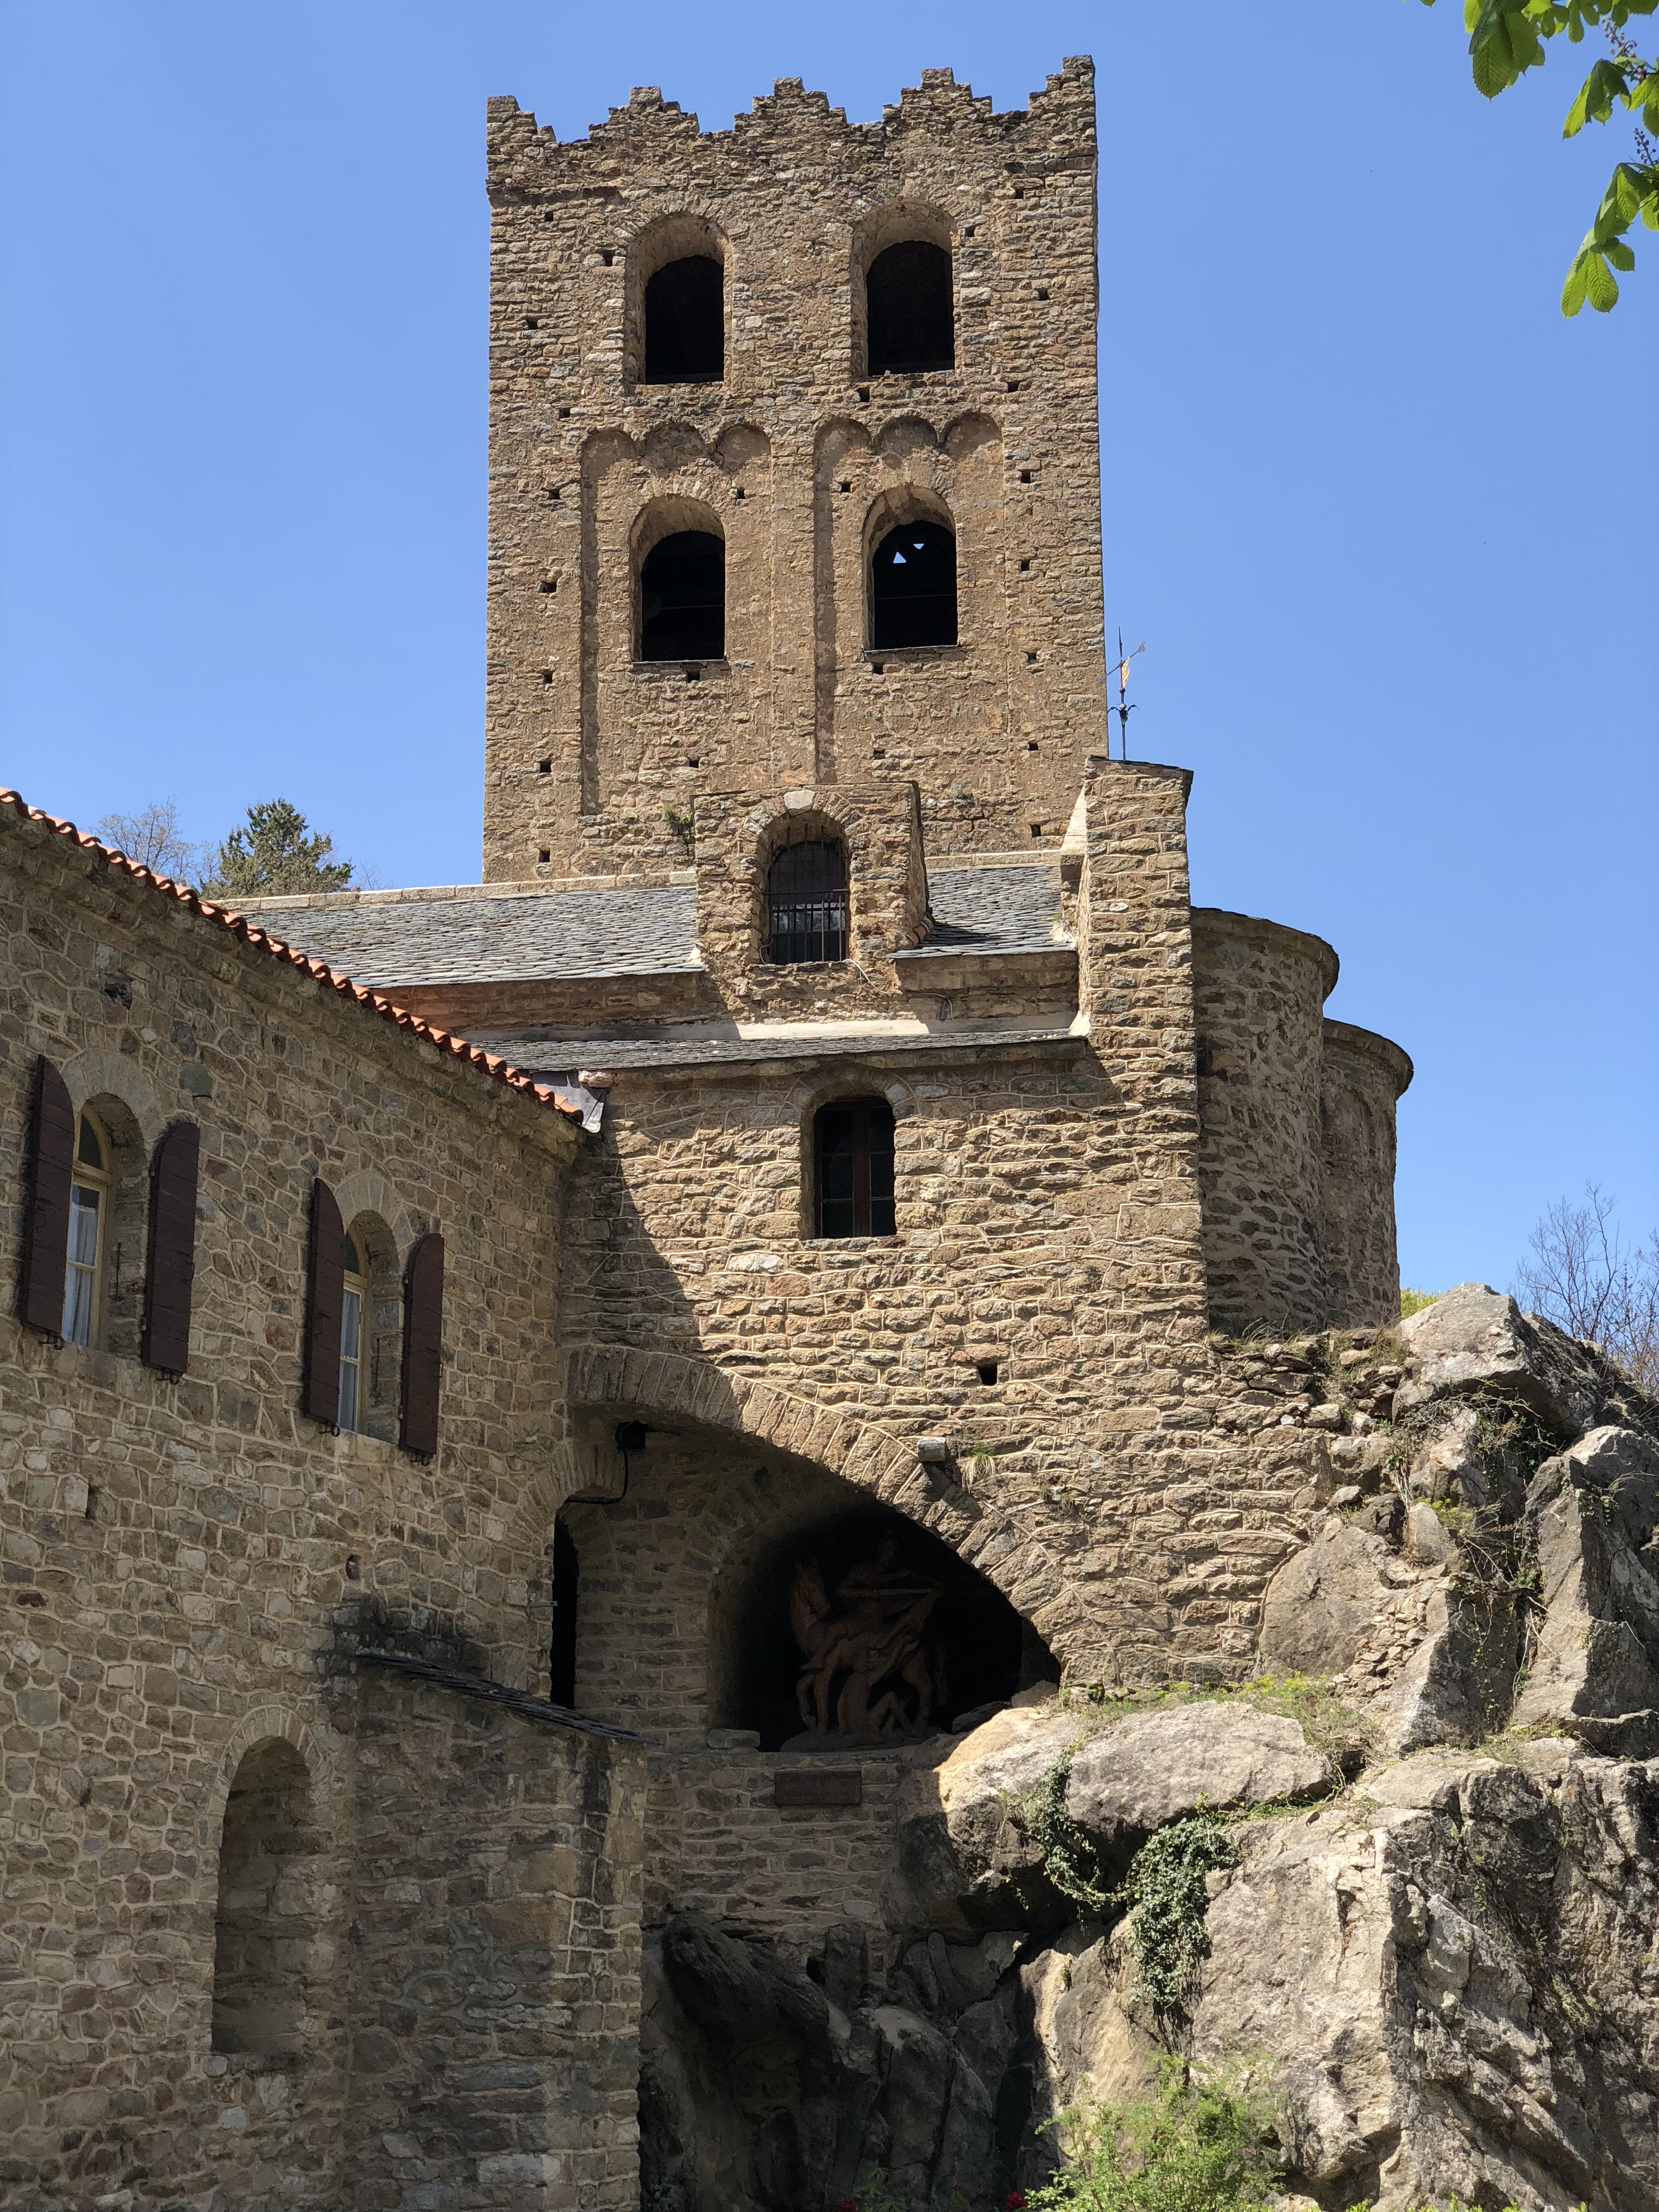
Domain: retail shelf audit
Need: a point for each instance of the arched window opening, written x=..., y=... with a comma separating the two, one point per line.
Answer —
x=852, y=1169
x=261, y=1932
x=682, y=597
x=89, y=1208
x=912, y=586
x=911, y=317
x=685, y=322
x=806, y=903
x=354, y=1306
x=561, y=1650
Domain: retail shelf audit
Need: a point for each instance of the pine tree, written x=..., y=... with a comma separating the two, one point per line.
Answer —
x=275, y=852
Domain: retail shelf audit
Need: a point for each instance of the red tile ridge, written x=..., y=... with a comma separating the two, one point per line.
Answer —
x=262, y=940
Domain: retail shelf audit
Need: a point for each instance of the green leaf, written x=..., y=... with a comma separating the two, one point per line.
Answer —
x=1644, y=99
x=1503, y=44
x=1604, y=84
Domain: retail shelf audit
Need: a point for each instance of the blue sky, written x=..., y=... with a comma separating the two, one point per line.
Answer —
x=1376, y=509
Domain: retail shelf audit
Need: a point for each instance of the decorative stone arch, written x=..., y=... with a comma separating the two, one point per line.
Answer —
x=687, y=233
x=862, y=1452
x=92, y=1075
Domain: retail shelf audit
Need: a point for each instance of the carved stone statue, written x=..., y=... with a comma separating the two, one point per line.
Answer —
x=871, y=1668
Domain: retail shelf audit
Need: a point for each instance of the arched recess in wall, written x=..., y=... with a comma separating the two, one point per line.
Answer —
x=910, y=571
x=904, y=295
x=678, y=565
x=264, y=1922
x=677, y=289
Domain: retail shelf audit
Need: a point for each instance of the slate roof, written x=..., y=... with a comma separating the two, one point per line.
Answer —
x=644, y=931
x=648, y=931
x=563, y=1056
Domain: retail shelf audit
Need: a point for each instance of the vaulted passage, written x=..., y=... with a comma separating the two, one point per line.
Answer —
x=912, y=586
x=912, y=317
x=682, y=597
x=685, y=322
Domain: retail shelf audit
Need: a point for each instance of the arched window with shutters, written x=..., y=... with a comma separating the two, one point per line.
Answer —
x=853, y=1188
x=88, y=1241
x=806, y=906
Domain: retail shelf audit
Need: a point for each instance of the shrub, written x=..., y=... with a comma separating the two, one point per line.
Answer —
x=1195, y=2144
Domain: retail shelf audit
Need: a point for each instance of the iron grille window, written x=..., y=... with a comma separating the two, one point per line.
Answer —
x=852, y=1181
x=806, y=903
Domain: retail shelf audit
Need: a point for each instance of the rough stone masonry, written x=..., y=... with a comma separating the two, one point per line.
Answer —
x=547, y=1425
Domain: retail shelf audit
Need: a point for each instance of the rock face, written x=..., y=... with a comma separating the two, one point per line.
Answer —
x=1160, y=1766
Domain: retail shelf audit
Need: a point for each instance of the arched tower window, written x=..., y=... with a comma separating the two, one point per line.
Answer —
x=910, y=316
x=682, y=597
x=685, y=322
x=261, y=1929
x=852, y=1169
x=912, y=586
x=807, y=902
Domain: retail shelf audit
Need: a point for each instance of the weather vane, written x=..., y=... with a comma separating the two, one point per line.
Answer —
x=1124, y=708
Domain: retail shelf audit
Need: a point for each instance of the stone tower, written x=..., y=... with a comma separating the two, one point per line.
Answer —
x=790, y=444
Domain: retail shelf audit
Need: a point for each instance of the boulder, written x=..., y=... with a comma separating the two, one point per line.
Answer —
x=964, y=1851
x=1321, y=1603
x=1596, y=1666
x=1152, y=1768
x=1476, y=1339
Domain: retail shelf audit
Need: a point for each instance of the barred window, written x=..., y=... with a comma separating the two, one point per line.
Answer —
x=806, y=903
x=853, y=1180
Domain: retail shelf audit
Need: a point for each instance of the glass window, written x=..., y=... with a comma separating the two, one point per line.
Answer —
x=355, y=1294
x=88, y=1210
x=806, y=903
x=854, y=1144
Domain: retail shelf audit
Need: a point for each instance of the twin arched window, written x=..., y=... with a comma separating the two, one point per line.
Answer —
x=909, y=321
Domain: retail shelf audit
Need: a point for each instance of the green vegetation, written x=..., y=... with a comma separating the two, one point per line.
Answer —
x=1195, y=2144
x=1167, y=1902
x=275, y=854
x=1413, y=1302
x=1506, y=39
x=1069, y=1860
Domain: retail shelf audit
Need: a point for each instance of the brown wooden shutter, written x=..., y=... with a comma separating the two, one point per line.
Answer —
x=46, y=1207
x=172, y=1268
x=423, y=1328
x=324, y=1303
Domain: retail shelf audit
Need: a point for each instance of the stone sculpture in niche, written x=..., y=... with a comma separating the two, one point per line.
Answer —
x=870, y=1670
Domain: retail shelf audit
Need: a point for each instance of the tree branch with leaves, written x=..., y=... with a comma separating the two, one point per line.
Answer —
x=1507, y=38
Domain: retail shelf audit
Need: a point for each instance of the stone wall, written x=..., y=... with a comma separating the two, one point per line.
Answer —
x=796, y=458
x=180, y=1556
x=1361, y=1078
x=1258, y=988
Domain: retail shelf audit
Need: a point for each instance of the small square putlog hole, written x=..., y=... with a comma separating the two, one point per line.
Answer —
x=799, y=1787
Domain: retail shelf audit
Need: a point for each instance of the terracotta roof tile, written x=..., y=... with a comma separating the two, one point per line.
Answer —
x=262, y=940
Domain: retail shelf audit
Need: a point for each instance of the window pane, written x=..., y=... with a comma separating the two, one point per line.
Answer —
x=77, y=1305
x=351, y=1336
x=88, y=1150
x=83, y=1226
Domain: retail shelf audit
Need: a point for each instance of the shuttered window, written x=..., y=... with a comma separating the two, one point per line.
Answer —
x=324, y=1300
x=423, y=1324
x=354, y=1303
x=171, y=1272
x=46, y=1208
